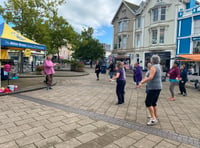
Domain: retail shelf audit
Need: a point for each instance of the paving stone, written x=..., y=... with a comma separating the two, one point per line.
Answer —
x=69, y=144
x=69, y=135
x=112, y=146
x=102, y=130
x=29, y=146
x=18, y=128
x=54, y=125
x=52, y=132
x=34, y=130
x=125, y=142
x=71, y=120
x=3, y=132
x=87, y=128
x=10, y=144
x=136, y=135
x=11, y=137
x=11, y=119
x=86, y=121
x=154, y=138
x=56, y=118
x=144, y=143
x=48, y=142
x=39, y=123
x=165, y=144
x=24, y=121
x=70, y=127
x=87, y=137
x=99, y=123
x=105, y=140
x=28, y=140
x=90, y=144
x=186, y=146
x=5, y=126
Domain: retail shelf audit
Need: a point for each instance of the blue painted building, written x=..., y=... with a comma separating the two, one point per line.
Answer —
x=188, y=31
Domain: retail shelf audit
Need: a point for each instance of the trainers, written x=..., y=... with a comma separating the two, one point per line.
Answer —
x=172, y=99
x=152, y=122
x=184, y=94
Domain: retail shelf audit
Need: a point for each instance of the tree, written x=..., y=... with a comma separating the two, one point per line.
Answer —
x=89, y=48
x=36, y=20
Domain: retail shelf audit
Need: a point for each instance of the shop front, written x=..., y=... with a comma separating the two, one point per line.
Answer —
x=11, y=40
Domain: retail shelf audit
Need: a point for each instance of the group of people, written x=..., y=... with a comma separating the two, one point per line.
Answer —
x=153, y=80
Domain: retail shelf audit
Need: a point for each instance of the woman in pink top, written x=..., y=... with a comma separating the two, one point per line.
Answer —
x=49, y=70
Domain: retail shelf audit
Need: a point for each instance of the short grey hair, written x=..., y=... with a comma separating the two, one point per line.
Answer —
x=155, y=59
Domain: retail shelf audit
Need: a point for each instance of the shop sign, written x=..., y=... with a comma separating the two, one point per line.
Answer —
x=27, y=53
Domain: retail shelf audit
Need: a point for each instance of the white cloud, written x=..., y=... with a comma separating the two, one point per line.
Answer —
x=92, y=13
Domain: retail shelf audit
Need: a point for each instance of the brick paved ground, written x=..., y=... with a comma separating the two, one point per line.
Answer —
x=81, y=112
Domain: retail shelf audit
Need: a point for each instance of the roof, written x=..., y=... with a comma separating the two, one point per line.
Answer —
x=132, y=7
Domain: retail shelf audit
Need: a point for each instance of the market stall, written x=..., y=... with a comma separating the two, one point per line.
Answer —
x=13, y=40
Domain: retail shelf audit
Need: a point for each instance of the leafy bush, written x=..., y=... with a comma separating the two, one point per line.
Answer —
x=39, y=68
x=77, y=66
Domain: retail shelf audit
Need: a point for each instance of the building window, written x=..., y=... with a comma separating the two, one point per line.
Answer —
x=139, y=22
x=159, y=14
x=124, y=13
x=162, y=35
x=163, y=13
x=196, y=47
x=124, y=42
x=138, y=39
x=155, y=14
x=154, y=36
x=119, y=42
x=123, y=26
x=196, y=27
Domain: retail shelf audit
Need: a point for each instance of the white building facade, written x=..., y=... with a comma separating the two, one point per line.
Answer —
x=153, y=31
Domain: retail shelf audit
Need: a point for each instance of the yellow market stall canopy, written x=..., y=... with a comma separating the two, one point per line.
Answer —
x=12, y=39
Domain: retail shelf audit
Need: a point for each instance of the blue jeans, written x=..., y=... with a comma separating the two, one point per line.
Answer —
x=111, y=74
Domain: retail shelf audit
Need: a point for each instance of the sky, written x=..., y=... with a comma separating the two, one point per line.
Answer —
x=97, y=14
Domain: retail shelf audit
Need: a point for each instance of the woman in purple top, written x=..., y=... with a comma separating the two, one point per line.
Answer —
x=121, y=82
x=137, y=73
x=49, y=70
x=174, y=76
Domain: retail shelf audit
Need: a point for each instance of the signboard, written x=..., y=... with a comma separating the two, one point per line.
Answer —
x=196, y=38
x=27, y=53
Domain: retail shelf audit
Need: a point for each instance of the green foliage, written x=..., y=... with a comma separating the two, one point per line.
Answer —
x=89, y=48
x=77, y=66
x=38, y=20
x=39, y=68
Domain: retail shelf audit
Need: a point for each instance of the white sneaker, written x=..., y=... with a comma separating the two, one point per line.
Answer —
x=152, y=122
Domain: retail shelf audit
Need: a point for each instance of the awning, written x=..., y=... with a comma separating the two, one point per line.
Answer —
x=13, y=39
x=189, y=57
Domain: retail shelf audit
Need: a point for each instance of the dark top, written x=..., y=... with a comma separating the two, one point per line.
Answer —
x=111, y=67
x=183, y=75
x=97, y=68
x=121, y=74
x=137, y=73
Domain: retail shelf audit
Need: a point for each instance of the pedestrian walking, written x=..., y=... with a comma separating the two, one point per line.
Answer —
x=183, y=80
x=154, y=84
x=112, y=69
x=120, y=78
x=174, y=76
x=137, y=73
x=97, y=69
x=49, y=71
